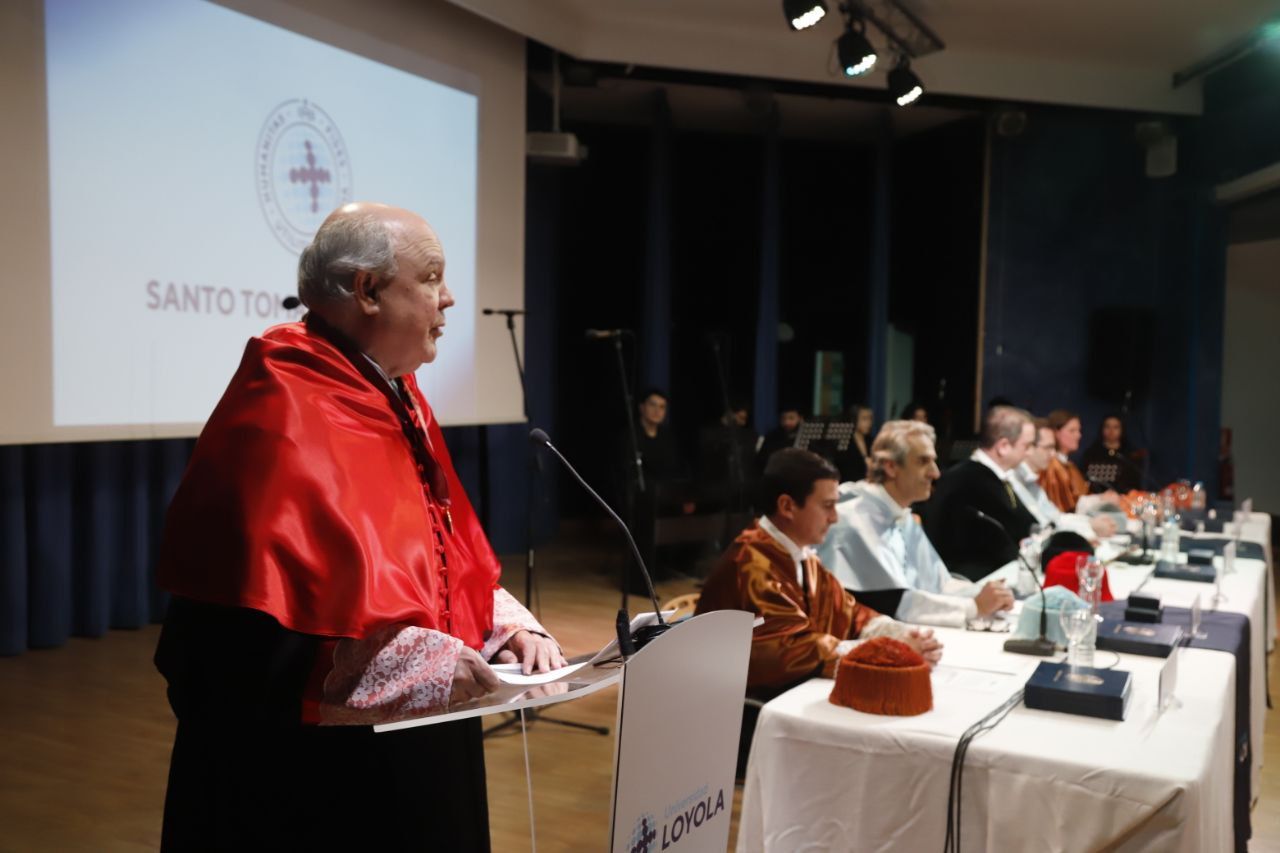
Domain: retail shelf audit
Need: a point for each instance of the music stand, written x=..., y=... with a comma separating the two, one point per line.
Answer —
x=825, y=436
x=1102, y=472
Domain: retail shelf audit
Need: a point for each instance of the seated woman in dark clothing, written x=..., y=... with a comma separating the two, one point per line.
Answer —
x=853, y=462
x=1113, y=448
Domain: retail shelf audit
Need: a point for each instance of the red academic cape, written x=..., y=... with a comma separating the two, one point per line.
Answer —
x=313, y=496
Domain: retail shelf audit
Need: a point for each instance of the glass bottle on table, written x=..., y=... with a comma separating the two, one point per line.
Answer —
x=1089, y=574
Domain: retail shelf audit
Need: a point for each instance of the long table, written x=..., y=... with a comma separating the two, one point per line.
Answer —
x=824, y=777
x=1245, y=591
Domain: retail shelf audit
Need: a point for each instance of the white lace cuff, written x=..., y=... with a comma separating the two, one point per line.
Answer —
x=509, y=618
x=396, y=673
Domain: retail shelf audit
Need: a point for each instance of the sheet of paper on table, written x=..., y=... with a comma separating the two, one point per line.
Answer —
x=978, y=680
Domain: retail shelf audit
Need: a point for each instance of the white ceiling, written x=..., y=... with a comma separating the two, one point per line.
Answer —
x=1106, y=53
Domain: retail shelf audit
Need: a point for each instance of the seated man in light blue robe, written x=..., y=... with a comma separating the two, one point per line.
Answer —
x=877, y=544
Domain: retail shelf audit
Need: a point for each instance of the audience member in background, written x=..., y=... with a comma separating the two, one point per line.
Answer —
x=783, y=435
x=1062, y=480
x=970, y=545
x=771, y=570
x=1112, y=448
x=657, y=447
x=727, y=453
x=666, y=484
x=853, y=462
x=877, y=544
x=915, y=412
x=1026, y=483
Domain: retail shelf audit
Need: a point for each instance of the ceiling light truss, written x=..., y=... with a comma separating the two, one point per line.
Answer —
x=902, y=29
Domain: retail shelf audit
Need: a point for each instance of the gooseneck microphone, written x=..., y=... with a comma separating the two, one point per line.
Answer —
x=290, y=302
x=506, y=312
x=648, y=632
x=1042, y=646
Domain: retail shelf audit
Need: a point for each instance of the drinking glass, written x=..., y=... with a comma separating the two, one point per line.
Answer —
x=1076, y=620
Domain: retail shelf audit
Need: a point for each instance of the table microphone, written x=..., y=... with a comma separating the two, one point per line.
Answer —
x=647, y=633
x=1041, y=646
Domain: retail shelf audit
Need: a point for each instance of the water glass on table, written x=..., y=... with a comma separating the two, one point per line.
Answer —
x=1077, y=623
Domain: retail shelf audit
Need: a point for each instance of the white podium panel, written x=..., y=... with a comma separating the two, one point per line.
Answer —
x=679, y=712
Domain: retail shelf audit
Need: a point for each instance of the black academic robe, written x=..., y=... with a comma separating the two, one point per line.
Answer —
x=248, y=774
x=971, y=547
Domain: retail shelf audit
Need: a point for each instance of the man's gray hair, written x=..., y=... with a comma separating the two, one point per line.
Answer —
x=1002, y=422
x=344, y=245
x=893, y=443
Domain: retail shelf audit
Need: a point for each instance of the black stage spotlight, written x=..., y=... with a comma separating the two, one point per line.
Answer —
x=802, y=14
x=856, y=53
x=904, y=85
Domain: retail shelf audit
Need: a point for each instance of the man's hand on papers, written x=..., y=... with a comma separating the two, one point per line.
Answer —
x=993, y=597
x=472, y=677
x=534, y=653
x=923, y=641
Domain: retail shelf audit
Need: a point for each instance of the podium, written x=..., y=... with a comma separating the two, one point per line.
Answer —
x=676, y=739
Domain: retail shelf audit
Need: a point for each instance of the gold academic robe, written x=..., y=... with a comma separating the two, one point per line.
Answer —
x=802, y=625
x=1063, y=484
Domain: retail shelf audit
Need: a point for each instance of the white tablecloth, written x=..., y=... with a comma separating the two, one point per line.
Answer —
x=827, y=778
x=1257, y=528
x=1245, y=592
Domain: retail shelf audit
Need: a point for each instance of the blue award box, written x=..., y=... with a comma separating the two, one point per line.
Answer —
x=1185, y=572
x=1136, y=638
x=1078, y=690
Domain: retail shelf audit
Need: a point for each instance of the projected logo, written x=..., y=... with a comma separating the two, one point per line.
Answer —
x=302, y=171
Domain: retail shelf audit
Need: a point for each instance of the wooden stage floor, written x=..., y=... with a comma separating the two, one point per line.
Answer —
x=85, y=735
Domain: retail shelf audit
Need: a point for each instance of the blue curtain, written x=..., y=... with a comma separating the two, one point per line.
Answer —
x=78, y=529
x=80, y=526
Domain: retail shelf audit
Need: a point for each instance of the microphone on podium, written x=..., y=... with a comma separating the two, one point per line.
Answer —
x=506, y=312
x=291, y=302
x=1041, y=646
x=648, y=632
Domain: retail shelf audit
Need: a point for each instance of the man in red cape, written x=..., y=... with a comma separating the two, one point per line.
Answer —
x=328, y=572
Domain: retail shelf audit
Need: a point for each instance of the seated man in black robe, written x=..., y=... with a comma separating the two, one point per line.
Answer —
x=970, y=544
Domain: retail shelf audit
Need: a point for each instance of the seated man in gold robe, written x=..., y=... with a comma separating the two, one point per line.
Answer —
x=771, y=569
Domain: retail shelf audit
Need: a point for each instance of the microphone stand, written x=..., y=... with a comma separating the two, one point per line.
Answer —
x=1041, y=646
x=535, y=468
x=633, y=492
x=627, y=642
x=736, y=476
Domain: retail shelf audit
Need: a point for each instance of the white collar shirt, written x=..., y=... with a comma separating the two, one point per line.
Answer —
x=797, y=553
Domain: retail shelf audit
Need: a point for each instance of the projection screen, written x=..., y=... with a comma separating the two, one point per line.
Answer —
x=172, y=158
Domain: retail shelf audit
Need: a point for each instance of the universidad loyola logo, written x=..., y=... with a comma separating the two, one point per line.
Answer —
x=302, y=171
x=643, y=835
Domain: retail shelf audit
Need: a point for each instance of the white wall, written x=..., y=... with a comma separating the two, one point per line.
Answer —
x=1251, y=358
